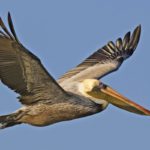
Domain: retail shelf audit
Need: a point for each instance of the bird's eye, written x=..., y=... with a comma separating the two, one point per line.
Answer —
x=102, y=86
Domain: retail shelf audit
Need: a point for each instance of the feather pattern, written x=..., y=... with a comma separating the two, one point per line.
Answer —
x=22, y=71
x=105, y=60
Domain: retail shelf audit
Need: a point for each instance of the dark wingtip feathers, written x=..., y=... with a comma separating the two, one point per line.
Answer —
x=114, y=53
x=123, y=48
x=135, y=37
x=12, y=27
x=126, y=41
x=5, y=33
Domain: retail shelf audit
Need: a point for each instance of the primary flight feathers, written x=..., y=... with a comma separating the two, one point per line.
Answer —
x=107, y=59
x=22, y=71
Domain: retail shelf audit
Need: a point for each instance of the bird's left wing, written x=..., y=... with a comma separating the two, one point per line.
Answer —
x=105, y=60
x=23, y=72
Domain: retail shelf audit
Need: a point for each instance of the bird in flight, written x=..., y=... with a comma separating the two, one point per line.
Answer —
x=78, y=93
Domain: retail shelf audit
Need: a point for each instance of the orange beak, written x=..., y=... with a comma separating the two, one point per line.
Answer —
x=116, y=99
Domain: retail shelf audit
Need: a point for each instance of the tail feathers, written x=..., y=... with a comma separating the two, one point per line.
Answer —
x=8, y=121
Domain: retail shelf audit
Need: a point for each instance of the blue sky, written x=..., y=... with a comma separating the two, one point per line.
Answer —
x=62, y=34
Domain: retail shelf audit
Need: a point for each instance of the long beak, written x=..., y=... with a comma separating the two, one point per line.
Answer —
x=118, y=100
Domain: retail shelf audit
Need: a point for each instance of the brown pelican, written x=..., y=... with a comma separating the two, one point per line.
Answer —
x=76, y=94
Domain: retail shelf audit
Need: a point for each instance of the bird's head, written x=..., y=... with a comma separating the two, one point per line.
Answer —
x=104, y=94
x=90, y=85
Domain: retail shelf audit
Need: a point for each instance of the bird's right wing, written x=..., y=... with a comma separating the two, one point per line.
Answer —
x=22, y=71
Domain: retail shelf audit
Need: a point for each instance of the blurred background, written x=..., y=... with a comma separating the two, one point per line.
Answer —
x=62, y=34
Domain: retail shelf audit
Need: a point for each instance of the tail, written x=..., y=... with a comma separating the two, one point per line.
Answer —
x=9, y=120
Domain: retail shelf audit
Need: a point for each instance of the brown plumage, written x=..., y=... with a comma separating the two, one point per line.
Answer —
x=77, y=94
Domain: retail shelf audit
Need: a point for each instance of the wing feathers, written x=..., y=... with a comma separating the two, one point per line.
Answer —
x=22, y=71
x=108, y=58
x=11, y=72
x=126, y=41
x=135, y=38
x=12, y=27
x=7, y=35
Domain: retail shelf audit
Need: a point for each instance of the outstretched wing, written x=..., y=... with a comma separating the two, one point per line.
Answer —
x=22, y=71
x=105, y=60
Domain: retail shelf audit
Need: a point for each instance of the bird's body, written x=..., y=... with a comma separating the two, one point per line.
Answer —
x=76, y=94
x=50, y=111
x=45, y=114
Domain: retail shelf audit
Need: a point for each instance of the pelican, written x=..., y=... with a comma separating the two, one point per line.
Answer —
x=78, y=93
